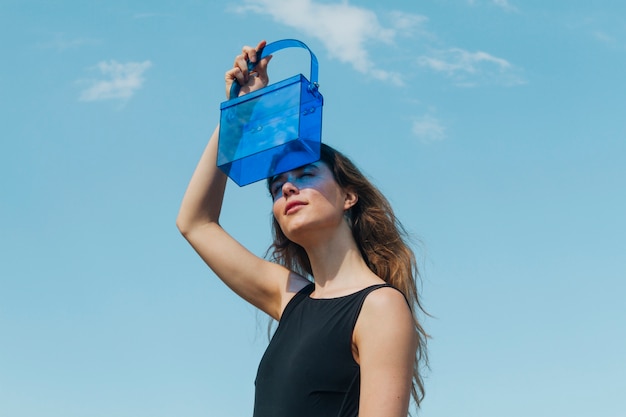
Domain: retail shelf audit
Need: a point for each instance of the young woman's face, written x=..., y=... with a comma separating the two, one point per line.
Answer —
x=307, y=198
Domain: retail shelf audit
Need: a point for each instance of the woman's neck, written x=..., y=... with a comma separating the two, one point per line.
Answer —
x=338, y=266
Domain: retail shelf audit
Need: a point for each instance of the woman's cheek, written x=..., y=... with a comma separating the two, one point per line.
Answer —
x=276, y=209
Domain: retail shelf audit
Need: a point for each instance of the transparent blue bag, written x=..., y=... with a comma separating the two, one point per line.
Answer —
x=274, y=129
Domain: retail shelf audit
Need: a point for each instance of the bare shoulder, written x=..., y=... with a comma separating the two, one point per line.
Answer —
x=385, y=311
x=386, y=301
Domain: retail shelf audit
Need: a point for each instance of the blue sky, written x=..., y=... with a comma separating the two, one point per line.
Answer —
x=496, y=127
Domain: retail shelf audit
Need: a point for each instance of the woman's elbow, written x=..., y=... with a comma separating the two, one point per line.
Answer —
x=184, y=225
x=187, y=225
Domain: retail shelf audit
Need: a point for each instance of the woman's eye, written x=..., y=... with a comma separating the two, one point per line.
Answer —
x=276, y=189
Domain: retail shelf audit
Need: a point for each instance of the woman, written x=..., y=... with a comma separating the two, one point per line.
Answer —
x=340, y=283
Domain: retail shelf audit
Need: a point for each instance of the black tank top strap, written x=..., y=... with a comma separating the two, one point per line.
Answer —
x=297, y=299
x=362, y=295
x=391, y=286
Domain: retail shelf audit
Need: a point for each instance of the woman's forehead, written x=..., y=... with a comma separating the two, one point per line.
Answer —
x=312, y=165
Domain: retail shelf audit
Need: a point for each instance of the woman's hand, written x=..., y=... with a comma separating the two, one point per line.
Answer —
x=248, y=80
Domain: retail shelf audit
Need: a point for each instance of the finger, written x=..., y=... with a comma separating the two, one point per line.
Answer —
x=241, y=64
x=254, y=54
x=262, y=64
x=249, y=53
x=261, y=45
x=231, y=76
x=236, y=75
x=261, y=68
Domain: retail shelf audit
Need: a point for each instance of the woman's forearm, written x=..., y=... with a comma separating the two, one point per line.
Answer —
x=202, y=201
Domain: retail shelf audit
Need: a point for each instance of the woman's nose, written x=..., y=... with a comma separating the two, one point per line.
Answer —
x=289, y=188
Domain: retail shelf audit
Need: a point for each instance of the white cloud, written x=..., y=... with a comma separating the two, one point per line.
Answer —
x=471, y=68
x=505, y=5
x=458, y=60
x=428, y=129
x=62, y=43
x=345, y=30
x=150, y=15
x=349, y=33
x=121, y=81
x=603, y=37
x=407, y=22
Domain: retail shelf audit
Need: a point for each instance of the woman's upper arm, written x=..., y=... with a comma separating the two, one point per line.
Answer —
x=266, y=285
x=386, y=343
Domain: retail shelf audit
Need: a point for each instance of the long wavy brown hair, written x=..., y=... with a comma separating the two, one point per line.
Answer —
x=382, y=240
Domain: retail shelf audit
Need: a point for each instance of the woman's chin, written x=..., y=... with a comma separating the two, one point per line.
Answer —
x=297, y=235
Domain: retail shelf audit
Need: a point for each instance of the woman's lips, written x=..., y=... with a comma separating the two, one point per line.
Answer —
x=293, y=205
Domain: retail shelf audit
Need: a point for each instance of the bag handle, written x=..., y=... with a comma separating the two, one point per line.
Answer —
x=273, y=47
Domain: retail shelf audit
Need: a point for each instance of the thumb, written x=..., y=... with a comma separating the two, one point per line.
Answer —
x=261, y=67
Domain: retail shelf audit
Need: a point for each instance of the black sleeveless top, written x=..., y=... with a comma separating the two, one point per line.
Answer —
x=308, y=369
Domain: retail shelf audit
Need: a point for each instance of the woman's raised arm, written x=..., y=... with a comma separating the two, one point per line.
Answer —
x=266, y=285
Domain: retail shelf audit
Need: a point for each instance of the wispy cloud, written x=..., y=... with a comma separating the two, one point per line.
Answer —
x=344, y=29
x=121, y=81
x=603, y=27
x=61, y=42
x=603, y=37
x=470, y=68
x=407, y=23
x=503, y=4
x=458, y=60
x=428, y=129
x=150, y=15
x=350, y=33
